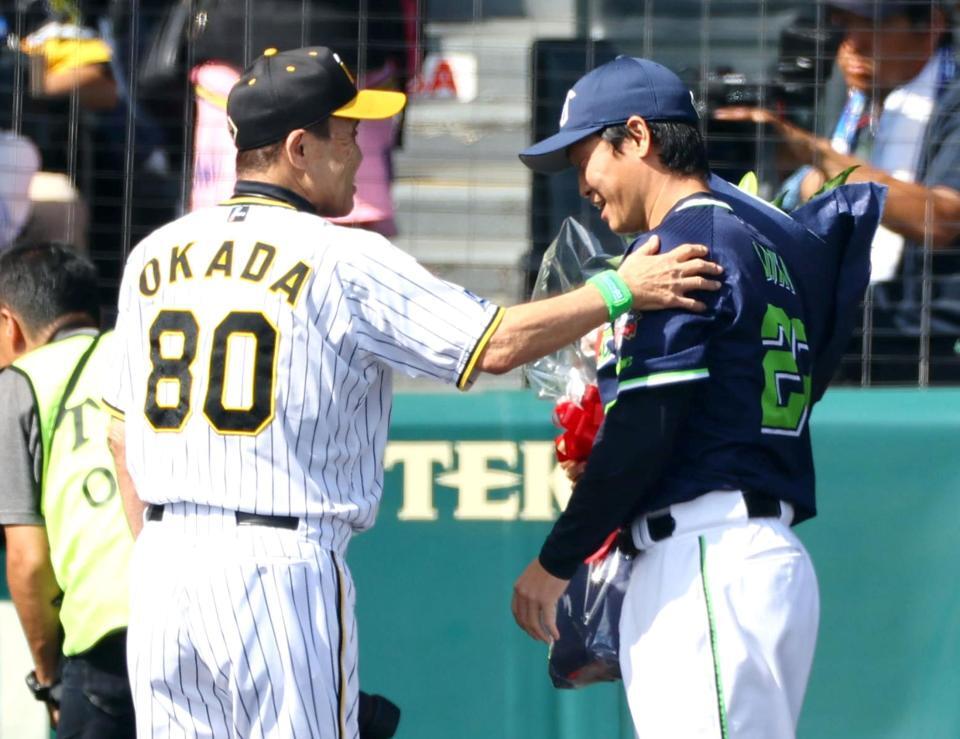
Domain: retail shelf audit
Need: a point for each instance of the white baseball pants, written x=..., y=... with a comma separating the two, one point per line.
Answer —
x=719, y=625
x=240, y=631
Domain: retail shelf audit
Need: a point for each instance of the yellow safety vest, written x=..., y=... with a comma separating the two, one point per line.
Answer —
x=90, y=543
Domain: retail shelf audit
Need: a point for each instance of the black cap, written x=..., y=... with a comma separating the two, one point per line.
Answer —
x=285, y=90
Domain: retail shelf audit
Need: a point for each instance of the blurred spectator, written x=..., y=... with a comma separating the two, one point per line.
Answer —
x=68, y=545
x=901, y=126
x=19, y=161
x=223, y=39
x=75, y=106
x=65, y=75
x=67, y=57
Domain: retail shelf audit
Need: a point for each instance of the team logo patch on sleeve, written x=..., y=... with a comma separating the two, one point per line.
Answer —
x=238, y=213
x=474, y=296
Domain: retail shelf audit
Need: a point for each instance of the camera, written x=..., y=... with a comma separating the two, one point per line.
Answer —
x=377, y=717
x=804, y=62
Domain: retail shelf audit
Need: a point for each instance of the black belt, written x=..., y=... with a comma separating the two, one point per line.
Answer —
x=155, y=513
x=758, y=506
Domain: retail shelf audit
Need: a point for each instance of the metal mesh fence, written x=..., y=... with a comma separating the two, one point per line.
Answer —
x=114, y=123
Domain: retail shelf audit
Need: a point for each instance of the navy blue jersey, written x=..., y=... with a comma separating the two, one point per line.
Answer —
x=748, y=356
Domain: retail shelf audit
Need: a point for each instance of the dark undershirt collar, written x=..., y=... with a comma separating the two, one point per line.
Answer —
x=272, y=192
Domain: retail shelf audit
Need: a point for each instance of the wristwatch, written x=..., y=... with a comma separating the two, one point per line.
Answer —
x=43, y=693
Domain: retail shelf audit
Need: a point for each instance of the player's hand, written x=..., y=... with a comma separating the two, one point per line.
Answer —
x=534, y=606
x=573, y=469
x=664, y=280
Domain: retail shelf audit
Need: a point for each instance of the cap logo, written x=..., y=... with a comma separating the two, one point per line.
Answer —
x=344, y=68
x=565, y=113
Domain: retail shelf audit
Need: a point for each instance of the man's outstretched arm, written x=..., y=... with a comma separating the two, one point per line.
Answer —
x=912, y=210
x=657, y=281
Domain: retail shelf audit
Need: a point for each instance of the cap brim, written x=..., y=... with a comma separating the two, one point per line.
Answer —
x=373, y=105
x=550, y=155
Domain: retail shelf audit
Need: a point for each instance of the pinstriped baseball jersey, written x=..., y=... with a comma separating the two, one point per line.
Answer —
x=258, y=345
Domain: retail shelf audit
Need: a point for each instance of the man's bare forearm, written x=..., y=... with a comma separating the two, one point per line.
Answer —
x=533, y=330
x=133, y=507
x=35, y=594
x=912, y=210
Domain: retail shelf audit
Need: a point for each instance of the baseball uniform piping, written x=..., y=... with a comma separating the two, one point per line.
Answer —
x=463, y=382
x=721, y=707
x=257, y=200
x=341, y=688
x=664, y=378
x=112, y=410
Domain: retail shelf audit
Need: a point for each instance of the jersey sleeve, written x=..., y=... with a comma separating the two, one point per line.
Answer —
x=672, y=346
x=666, y=347
x=21, y=453
x=411, y=320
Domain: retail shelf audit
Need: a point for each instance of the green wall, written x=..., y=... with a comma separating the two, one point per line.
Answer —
x=469, y=492
x=437, y=635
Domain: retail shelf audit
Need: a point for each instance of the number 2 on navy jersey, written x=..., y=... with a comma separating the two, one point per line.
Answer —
x=786, y=387
x=174, y=338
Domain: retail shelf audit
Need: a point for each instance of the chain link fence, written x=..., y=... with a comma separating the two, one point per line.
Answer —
x=114, y=123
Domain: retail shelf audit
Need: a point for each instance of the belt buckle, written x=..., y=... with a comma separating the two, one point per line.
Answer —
x=661, y=526
x=291, y=523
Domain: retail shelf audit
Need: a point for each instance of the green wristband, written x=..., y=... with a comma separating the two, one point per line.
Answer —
x=615, y=292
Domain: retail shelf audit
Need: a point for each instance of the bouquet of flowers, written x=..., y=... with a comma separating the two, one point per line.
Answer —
x=569, y=376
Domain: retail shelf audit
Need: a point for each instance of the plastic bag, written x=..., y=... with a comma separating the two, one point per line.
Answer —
x=574, y=256
x=588, y=619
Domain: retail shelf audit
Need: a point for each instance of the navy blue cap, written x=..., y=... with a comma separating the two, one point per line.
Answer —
x=879, y=9
x=608, y=96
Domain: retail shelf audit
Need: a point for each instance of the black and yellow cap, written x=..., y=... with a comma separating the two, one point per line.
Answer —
x=285, y=90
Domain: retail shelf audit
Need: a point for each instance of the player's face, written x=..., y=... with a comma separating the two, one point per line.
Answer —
x=611, y=181
x=332, y=164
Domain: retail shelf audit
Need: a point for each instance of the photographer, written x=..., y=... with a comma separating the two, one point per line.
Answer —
x=901, y=127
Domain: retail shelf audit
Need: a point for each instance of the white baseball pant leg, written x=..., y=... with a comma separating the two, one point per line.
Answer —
x=240, y=631
x=718, y=630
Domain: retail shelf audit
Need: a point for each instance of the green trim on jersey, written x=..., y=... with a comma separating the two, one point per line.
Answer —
x=664, y=378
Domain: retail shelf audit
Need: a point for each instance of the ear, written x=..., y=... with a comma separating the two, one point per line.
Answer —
x=293, y=148
x=640, y=133
x=14, y=335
